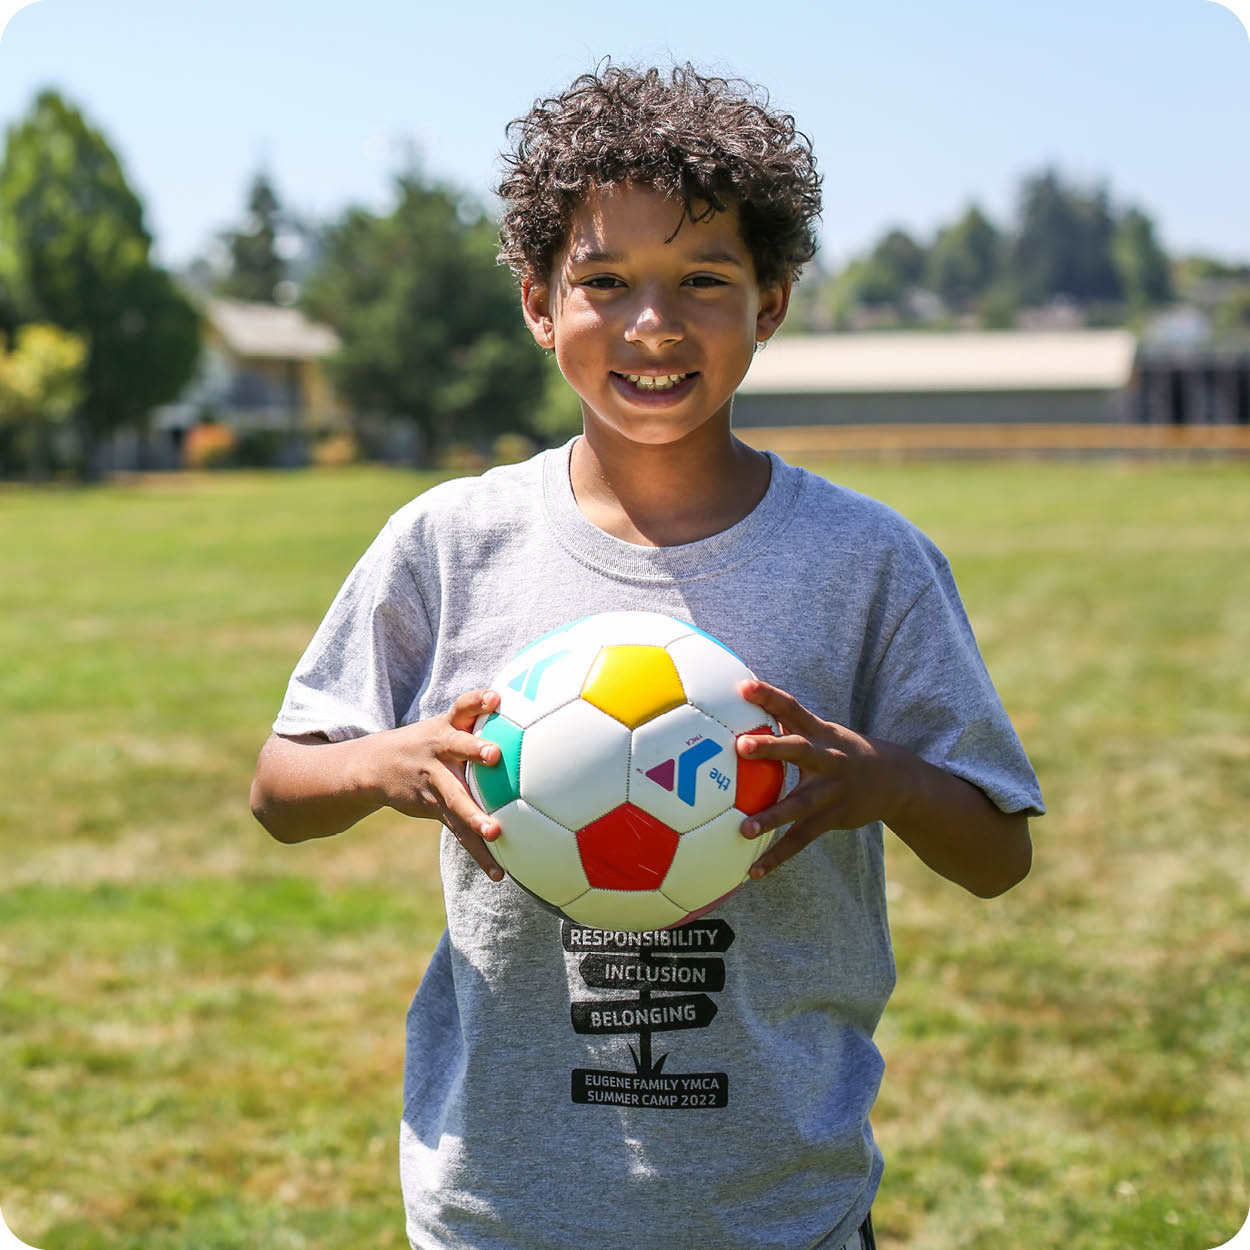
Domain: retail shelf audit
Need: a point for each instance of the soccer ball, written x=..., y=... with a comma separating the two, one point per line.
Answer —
x=619, y=790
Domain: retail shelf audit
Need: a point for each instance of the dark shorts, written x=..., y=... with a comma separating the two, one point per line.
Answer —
x=863, y=1240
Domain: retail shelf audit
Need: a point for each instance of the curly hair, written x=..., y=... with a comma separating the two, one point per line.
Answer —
x=712, y=143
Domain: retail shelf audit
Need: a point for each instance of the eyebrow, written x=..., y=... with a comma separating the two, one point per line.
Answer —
x=596, y=257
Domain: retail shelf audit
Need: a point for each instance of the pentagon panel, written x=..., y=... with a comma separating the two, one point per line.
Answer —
x=683, y=768
x=628, y=849
x=710, y=675
x=616, y=909
x=539, y=853
x=633, y=684
x=759, y=781
x=574, y=763
x=712, y=861
x=637, y=628
x=494, y=785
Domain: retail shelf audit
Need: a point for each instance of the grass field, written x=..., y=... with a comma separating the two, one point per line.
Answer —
x=201, y=1031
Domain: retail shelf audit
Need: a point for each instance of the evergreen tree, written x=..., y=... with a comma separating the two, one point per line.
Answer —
x=965, y=260
x=256, y=263
x=74, y=252
x=1143, y=266
x=431, y=326
x=1063, y=243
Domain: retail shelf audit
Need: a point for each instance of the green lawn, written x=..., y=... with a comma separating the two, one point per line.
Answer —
x=201, y=1031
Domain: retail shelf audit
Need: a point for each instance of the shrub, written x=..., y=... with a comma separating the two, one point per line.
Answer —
x=336, y=450
x=209, y=445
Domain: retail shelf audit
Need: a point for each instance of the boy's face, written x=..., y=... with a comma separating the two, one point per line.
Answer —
x=653, y=330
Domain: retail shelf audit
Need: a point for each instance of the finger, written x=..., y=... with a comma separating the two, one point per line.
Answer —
x=798, y=805
x=470, y=705
x=784, y=707
x=793, y=748
x=480, y=853
x=789, y=844
x=459, y=745
x=472, y=827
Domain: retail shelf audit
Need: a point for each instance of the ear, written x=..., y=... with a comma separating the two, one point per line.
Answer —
x=774, y=304
x=536, y=306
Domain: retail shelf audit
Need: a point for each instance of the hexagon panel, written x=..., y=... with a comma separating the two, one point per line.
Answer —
x=539, y=853
x=683, y=768
x=574, y=763
x=618, y=909
x=712, y=861
x=635, y=628
x=546, y=675
x=710, y=674
x=628, y=849
x=633, y=684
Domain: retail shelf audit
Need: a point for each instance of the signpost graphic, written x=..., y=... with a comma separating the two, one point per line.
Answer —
x=669, y=975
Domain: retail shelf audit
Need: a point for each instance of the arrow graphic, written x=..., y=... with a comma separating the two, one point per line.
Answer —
x=526, y=681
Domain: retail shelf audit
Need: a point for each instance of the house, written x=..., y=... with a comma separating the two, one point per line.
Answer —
x=262, y=372
x=1011, y=391
x=999, y=377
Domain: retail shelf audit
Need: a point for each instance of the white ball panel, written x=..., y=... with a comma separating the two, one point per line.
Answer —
x=683, y=768
x=710, y=676
x=711, y=861
x=624, y=909
x=539, y=853
x=574, y=764
x=543, y=677
x=640, y=629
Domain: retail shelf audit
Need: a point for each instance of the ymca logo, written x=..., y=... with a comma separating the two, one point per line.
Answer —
x=526, y=682
x=680, y=773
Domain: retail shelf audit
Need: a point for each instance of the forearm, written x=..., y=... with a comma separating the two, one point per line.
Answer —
x=954, y=828
x=310, y=788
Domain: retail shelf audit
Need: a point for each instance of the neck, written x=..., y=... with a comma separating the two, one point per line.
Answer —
x=667, y=495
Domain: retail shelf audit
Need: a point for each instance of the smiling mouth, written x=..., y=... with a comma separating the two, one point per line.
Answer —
x=651, y=382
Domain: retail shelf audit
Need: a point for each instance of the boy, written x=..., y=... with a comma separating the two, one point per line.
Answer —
x=656, y=224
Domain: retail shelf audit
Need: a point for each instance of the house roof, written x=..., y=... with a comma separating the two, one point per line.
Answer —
x=1006, y=360
x=253, y=329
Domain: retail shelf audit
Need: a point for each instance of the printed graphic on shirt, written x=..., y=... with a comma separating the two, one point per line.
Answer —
x=664, y=981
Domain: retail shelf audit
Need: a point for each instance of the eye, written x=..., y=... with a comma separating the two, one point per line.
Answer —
x=706, y=280
x=602, y=282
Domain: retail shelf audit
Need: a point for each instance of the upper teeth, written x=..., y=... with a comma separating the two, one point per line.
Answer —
x=653, y=383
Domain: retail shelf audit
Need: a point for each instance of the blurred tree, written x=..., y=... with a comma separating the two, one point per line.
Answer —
x=965, y=260
x=257, y=265
x=41, y=383
x=1143, y=267
x=895, y=263
x=880, y=281
x=74, y=252
x=1063, y=243
x=1232, y=313
x=430, y=324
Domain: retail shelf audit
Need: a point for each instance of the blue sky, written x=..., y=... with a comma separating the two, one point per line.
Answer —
x=914, y=108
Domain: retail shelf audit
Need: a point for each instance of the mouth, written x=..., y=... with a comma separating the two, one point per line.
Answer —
x=654, y=386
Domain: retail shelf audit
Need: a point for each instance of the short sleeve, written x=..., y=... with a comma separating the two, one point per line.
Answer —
x=931, y=693
x=368, y=660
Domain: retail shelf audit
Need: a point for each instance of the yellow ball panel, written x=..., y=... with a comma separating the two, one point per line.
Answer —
x=633, y=684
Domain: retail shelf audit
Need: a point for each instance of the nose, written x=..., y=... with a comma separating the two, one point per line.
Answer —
x=654, y=322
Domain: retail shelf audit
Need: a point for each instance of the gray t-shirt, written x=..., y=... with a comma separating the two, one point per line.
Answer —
x=540, y=1109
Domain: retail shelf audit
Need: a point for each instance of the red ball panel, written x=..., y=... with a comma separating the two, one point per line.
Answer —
x=759, y=781
x=626, y=850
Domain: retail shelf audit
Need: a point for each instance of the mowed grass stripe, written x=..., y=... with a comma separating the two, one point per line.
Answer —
x=201, y=1031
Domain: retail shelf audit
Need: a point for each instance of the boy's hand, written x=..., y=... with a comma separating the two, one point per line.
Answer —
x=419, y=771
x=844, y=779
